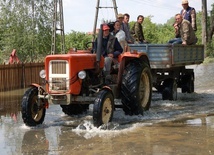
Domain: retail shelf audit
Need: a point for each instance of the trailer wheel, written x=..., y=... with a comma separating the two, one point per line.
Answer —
x=188, y=83
x=103, y=108
x=33, y=109
x=74, y=109
x=170, y=90
x=136, y=88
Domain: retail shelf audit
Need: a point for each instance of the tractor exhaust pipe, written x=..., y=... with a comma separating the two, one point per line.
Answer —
x=99, y=48
x=99, y=43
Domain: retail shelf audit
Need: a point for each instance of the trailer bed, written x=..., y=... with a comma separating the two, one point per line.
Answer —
x=164, y=56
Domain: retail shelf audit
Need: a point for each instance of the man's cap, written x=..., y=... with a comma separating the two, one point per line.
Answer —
x=120, y=15
x=105, y=27
x=185, y=2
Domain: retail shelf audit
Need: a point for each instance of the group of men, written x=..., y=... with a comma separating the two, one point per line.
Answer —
x=185, y=26
x=116, y=42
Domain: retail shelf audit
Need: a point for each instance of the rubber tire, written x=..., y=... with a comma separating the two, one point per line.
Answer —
x=136, y=88
x=188, y=83
x=74, y=109
x=104, y=101
x=29, y=108
x=170, y=90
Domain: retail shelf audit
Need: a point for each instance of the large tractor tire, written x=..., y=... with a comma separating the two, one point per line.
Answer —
x=103, y=108
x=170, y=90
x=136, y=88
x=33, y=109
x=74, y=109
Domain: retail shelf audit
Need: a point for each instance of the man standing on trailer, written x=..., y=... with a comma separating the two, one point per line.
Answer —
x=126, y=28
x=189, y=14
x=137, y=31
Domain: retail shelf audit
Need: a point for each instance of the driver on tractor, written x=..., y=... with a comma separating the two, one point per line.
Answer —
x=111, y=49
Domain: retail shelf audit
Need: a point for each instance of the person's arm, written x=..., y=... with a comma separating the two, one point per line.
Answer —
x=117, y=49
x=127, y=33
x=177, y=32
x=193, y=19
x=185, y=29
x=138, y=32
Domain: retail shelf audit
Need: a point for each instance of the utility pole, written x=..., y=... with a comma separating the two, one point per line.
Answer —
x=58, y=25
x=204, y=24
x=97, y=12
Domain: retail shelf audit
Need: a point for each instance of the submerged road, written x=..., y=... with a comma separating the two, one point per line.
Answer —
x=185, y=126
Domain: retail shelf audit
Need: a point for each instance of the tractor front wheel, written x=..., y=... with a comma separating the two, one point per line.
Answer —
x=33, y=108
x=103, y=108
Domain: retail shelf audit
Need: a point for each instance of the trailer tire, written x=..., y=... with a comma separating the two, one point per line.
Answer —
x=74, y=109
x=170, y=90
x=188, y=83
x=32, y=113
x=136, y=88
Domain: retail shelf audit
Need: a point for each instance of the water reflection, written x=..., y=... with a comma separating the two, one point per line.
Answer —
x=10, y=103
x=35, y=142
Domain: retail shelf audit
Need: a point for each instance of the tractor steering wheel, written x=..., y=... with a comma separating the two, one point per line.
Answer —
x=89, y=46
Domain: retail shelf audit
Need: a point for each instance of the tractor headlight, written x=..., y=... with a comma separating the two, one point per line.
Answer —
x=82, y=74
x=42, y=74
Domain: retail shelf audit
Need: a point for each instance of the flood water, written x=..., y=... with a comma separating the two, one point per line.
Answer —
x=185, y=126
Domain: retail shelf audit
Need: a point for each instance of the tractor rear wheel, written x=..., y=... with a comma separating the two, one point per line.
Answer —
x=33, y=108
x=103, y=108
x=136, y=88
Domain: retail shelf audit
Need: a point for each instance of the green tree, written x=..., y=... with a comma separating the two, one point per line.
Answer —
x=156, y=33
x=77, y=40
x=26, y=26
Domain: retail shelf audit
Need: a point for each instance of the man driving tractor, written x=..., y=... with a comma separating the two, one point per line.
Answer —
x=111, y=49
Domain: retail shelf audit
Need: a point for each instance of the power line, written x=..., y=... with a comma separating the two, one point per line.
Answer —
x=155, y=5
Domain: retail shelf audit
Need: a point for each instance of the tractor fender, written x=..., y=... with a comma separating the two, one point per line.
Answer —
x=41, y=92
x=41, y=89
x=126, y=56
x=107, y=87
x=124, y=59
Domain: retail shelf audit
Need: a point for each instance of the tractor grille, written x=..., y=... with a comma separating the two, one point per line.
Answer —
x=58, y=84
x=58, y=67
x=58, y=75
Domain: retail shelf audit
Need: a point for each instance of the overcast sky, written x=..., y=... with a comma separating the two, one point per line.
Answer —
x=79, y=15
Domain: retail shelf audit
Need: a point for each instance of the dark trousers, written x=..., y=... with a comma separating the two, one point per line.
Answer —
x=175, y=41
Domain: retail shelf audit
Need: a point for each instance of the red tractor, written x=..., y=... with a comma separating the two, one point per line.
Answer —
x=76, y=79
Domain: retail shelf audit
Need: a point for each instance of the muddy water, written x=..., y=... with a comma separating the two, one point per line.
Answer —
x=185, y=126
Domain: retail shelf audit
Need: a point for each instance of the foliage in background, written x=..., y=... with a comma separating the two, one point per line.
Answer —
x=26, y=25
x=210, y=44
x=77, y=40
x=156, y=33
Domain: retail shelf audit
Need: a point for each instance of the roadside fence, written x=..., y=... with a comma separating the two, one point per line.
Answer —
x=18, y=76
